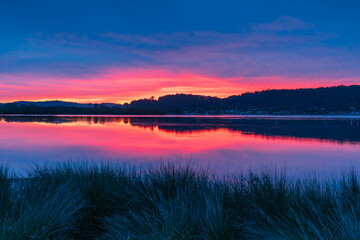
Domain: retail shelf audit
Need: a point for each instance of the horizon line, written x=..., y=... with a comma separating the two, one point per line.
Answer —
x=74, y=100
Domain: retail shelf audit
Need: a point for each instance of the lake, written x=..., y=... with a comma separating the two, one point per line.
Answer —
x=224, y=143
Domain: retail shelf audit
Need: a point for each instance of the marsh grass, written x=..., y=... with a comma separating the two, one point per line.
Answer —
x=82, y=201
x=34, y=210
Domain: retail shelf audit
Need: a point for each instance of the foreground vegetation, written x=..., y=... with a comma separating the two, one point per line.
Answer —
x=175, y=202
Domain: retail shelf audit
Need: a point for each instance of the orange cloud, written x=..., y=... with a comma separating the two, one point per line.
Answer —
x=123, y=85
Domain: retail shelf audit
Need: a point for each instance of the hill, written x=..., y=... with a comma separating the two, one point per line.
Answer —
x=329, y=100
x=58, y=103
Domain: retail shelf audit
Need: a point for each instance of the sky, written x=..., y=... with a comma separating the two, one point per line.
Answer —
x=118, y=51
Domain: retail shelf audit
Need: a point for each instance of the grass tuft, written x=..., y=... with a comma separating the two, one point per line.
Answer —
x=82, y=201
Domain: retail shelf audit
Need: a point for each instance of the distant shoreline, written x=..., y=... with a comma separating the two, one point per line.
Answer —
x=330, y=101
x=240, y=116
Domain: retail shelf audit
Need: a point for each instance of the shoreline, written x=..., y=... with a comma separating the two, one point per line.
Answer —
x=240, y=116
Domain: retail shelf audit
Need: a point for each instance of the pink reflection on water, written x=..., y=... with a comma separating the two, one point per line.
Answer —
x=22, y=143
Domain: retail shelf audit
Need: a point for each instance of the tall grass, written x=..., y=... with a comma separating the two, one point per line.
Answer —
x=32, y=209
x=80, y=201
x=5, y=189
x=104, y=190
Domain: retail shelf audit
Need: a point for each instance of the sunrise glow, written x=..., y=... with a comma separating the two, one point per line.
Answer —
x=107, y=60
x=120, y=86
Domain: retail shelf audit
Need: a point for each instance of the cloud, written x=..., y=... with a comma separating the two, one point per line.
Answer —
x=114, y=67
x=124, y=85
x=210, y=53
x=113, y=85
x=283, y=23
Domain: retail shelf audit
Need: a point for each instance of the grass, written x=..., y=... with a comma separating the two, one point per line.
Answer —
x=175, y=202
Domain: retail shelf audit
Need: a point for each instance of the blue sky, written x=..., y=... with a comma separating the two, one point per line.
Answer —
x=122, y=50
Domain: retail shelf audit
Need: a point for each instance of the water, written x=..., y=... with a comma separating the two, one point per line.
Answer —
x=224, y=143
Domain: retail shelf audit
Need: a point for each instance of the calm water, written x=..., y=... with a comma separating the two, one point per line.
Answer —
x=226, y=144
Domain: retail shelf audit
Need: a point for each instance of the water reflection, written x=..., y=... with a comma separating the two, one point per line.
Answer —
x=340, y=130
x=226, y=143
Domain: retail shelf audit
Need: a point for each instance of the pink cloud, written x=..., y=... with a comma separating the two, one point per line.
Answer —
x=283, y=23
x=116, y=67
x=124, y=85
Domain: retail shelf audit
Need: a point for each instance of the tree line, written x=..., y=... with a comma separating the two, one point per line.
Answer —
x=329, y=100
